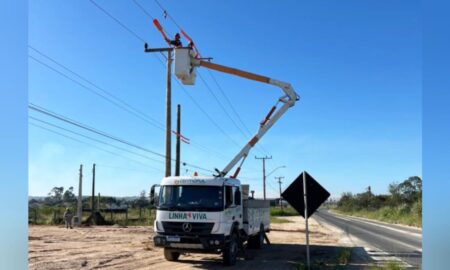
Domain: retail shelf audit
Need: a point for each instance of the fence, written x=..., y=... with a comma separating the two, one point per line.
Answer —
x=122, y=216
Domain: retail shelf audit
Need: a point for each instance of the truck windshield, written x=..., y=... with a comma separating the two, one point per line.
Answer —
x=191, y=198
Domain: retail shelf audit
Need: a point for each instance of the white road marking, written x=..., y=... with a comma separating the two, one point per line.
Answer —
x=384, y=237
x=371, y=250
x=418, y=235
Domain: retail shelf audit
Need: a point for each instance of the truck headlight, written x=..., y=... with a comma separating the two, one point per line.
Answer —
x=159, y=227
x=216, y=227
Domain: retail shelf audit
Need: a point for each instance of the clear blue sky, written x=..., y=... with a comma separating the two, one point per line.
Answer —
x=356, y=66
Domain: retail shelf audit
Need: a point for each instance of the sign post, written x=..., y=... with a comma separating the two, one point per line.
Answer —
x=305, y=197
x=313, y=196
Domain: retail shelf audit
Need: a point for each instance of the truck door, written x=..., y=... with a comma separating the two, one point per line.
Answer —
x=233, y=204
x=238, y=202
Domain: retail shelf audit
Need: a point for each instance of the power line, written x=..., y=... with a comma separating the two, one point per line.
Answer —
x=80, y=125
x=126, y=106
x=207, y=115
x=93, y=139
x=102, y=133
x=249, y=133
x=154, y=121
x=119, y=168
x=91, y=145
x=143, y=9
x=220, y=104
x=185, y=91
x=98, y=94
x=189, y=95
x=218, y=85
x=119, y=22
x=195, y=103
x=168, y=15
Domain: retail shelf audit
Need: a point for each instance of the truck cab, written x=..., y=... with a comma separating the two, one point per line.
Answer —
x=207, y=215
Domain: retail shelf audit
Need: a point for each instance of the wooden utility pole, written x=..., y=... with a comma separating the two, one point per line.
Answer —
x=93, y=190
x=178, y=144
x=169, y=51
x=169, y=114
x=80, y=196
x=264, y=173
x=279, y=182
x=98, y=202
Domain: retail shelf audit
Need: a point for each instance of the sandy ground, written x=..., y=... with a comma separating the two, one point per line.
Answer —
x=113, y=247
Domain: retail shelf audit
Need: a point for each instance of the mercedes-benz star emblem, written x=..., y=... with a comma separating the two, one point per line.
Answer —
x=187, y=227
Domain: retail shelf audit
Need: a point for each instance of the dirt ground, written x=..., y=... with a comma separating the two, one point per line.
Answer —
x=115, y=247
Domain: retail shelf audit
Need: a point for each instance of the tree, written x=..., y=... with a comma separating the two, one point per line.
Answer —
x=346, y=202
x=411, y=190
x=142, y=201
x=55, y=196
x=395, y=198
x=68, y=196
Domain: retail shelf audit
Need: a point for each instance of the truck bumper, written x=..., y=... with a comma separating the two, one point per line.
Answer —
x=208, y=243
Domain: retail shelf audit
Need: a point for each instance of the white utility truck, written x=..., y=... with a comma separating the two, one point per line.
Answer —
x=214, y=214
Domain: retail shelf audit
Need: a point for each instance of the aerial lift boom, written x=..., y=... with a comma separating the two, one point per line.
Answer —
x=288, y=101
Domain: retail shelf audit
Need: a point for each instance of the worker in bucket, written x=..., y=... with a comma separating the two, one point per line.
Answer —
x=176, y=42
x=68, y=218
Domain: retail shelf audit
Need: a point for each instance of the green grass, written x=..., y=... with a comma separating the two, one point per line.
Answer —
x=286, y=211
x=389, y=266
x=387, y=214
x=344, y=255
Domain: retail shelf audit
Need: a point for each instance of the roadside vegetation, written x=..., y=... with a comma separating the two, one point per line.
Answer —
x=276, y=214
x=133, y=211
x=402, y=205
x=337, y=259
x=283, y=212
x=389, y=266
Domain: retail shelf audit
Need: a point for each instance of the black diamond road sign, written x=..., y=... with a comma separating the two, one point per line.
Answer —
x=316, y=194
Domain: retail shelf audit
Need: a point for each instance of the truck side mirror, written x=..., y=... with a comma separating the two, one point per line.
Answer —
x=153, y=199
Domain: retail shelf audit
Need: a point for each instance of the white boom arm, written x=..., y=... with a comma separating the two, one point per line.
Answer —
x=288, y=99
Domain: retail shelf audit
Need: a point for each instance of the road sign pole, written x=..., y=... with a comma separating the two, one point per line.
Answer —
x=305, y=197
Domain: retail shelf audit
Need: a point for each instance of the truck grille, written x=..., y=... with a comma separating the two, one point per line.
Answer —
x=197, y=228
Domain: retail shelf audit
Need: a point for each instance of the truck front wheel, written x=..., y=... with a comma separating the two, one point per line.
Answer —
x=230, y=251
x=171, y=255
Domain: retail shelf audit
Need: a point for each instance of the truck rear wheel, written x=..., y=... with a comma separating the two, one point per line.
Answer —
x=257, y=241
x=171, y=255
x=230, y=251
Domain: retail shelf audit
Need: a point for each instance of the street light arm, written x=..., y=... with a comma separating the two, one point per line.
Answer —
x=279, y=167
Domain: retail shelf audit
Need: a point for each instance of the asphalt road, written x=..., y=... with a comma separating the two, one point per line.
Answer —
x=399, y=241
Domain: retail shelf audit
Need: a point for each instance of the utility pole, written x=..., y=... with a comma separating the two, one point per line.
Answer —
x=178, y=145
x=168, y=104
x=279, y=182
x=80, y=197
x=98, y=202
x=264, y=173
x=93, y=190
x=169, y=114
